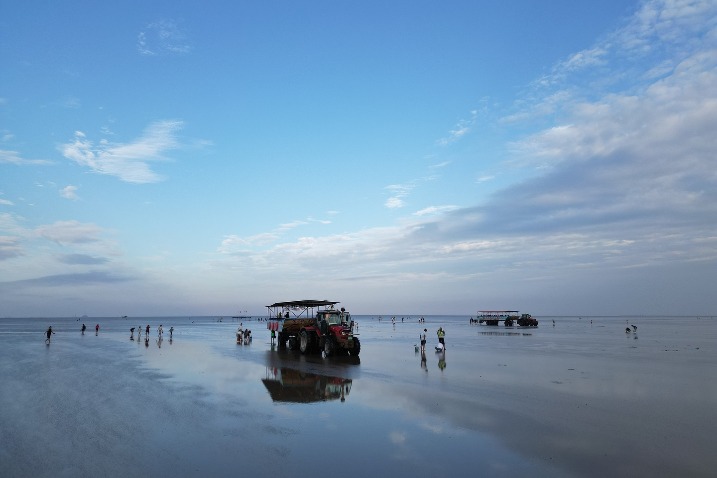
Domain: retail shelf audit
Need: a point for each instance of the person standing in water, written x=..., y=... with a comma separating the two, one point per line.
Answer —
x=441, y=337
x=171, y=331
x=49, y=334
x=83, y=329
x=423, y=340
x=97, y=329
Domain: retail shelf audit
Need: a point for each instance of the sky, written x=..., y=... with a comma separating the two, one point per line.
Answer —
x=405, y=157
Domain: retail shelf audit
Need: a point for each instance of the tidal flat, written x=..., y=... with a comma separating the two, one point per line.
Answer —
x=581, y=398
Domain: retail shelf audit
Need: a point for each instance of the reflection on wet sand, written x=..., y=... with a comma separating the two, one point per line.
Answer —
x=290, y=385
x=504, y=333
x=294, y=377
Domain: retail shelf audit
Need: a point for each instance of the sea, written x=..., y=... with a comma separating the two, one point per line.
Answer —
x=572, y=397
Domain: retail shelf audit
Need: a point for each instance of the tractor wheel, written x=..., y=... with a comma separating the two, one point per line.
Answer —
x=281, y=340
x=304, y=343
x=328, y=346
x=357, y=348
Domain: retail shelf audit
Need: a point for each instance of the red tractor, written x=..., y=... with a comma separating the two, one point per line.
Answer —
x=315, y=326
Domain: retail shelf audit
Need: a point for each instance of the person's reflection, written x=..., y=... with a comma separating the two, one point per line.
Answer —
x=423, y=361
x=146, y=341
x=442, y=360
x=159, y=342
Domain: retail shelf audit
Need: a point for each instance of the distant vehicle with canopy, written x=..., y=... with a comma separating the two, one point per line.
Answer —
x=508, y=317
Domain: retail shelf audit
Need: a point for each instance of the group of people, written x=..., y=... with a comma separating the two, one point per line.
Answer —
x=243, y=335
x=441, y=340
x=160, y=332
x=49, y=332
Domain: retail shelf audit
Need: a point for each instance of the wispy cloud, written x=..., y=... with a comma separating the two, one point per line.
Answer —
x=13, y=157
x=10, y=247
x=163, y=37
x=82, y=259
x=459, y=130
x=234, y=243
x=69, y=232
x=129, y=162
x=398, y=193
x=73, y=280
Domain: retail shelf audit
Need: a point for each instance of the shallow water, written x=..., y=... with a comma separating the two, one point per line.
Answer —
x=581, y=398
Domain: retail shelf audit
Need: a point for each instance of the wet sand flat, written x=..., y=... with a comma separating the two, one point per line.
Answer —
x=581, y=398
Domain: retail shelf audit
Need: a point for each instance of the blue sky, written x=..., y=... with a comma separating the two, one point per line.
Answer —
x=200, y=158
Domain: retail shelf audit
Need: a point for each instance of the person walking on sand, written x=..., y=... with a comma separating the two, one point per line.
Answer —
x=423, y=340
x=83, y=329
x=49, y=334
x=171, y=331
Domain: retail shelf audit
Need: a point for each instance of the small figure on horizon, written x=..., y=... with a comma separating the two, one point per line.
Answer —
x=97, y=329
x=171, y=331
x=441, y=337
x=131, y=333
x=627, y=330
x=634, y=328
x=49, y=334
x=146, y=332
x=83, y=329
x=160, y=331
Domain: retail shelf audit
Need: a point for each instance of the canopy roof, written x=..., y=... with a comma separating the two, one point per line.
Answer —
x=304, y=303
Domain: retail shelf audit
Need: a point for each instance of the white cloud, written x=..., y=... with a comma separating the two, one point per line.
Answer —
x=394, y=203
x=129, y=162
x=435, y=210
x=69, y=192
x=398, y=191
